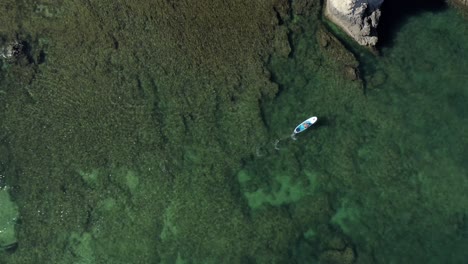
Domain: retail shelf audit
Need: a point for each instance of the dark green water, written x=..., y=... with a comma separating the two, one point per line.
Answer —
x=395, y=164
x=381, y=179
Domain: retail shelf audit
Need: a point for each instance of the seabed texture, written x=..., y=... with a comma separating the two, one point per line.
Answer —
x=145, y=131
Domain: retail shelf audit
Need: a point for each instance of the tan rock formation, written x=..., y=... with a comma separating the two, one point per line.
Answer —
x=358, y=18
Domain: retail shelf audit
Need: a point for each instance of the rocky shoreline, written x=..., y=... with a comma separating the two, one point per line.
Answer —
x=461, y=4
x=358, y=18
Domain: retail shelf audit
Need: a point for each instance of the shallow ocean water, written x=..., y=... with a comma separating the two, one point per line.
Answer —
x=382, y=178
x=396, y=161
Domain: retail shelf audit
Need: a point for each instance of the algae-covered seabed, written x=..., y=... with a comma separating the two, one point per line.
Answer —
x=144, y=133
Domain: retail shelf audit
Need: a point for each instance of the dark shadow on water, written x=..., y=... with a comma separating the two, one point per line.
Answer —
x=11, y=248
x=396, y=12
x=322, y=122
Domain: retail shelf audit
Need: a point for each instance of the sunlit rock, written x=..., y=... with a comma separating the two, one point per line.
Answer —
x=460, y=4
x=358, y=18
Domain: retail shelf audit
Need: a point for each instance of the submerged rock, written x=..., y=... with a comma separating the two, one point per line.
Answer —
x=11, y=50
x=8, y=216
x=334, y=256
x=358, y=18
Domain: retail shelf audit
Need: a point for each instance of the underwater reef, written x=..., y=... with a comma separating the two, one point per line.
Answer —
x=126, y=124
